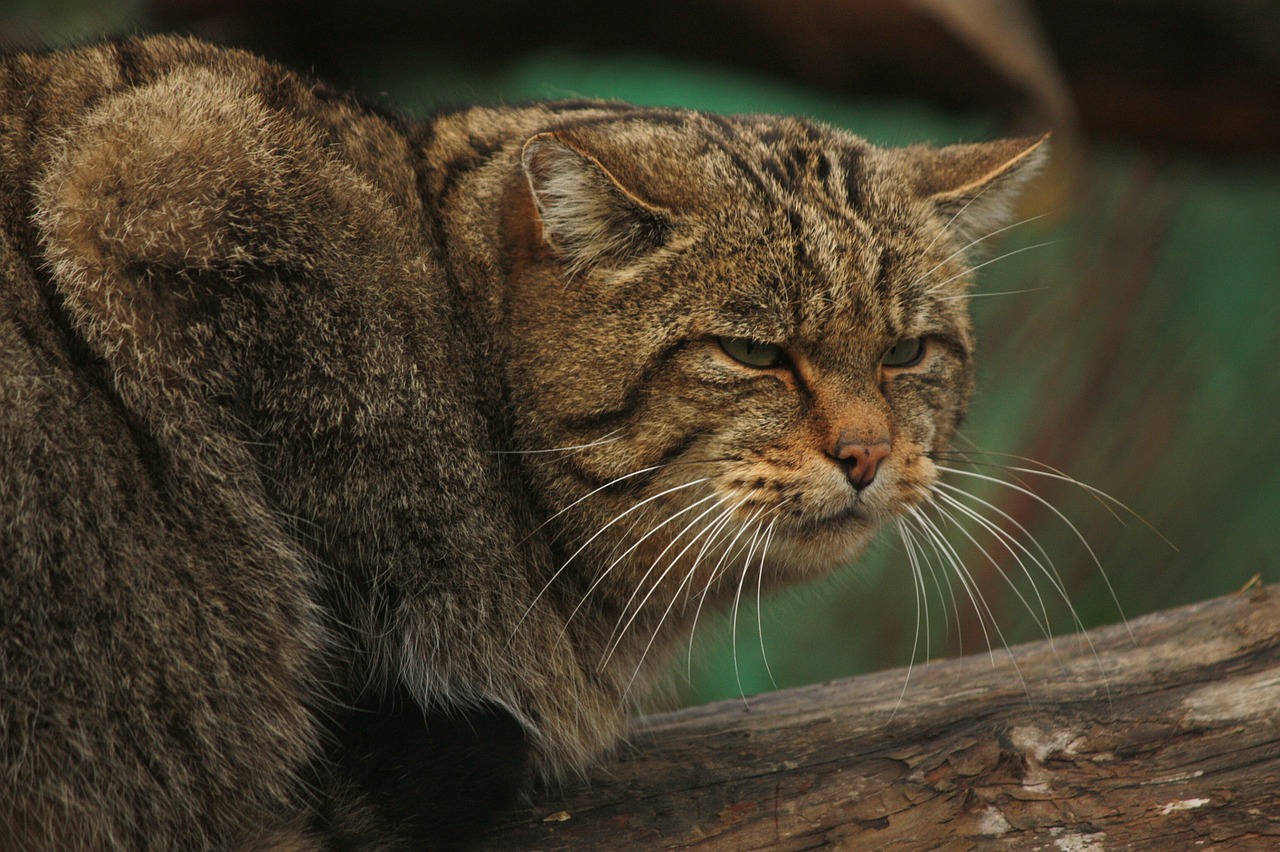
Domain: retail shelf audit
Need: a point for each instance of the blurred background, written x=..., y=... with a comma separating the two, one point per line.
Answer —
x=1130, y=338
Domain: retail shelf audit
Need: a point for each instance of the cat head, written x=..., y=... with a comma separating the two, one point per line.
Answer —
x=737, y=342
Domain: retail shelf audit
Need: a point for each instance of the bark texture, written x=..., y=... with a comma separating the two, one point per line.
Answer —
x=1169, y=739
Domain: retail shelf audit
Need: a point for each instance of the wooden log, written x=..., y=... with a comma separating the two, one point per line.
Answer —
x=1168, y=738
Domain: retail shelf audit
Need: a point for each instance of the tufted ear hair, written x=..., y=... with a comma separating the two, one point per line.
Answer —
x=974, y=186
x=588, y=217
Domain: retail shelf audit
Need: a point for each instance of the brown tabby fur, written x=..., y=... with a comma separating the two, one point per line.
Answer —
x=277, y=371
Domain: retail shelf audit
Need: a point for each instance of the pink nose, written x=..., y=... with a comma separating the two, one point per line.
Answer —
x=861, y=459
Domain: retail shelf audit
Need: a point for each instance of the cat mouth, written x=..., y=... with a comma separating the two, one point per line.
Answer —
x=856, y=513
x=862, y=510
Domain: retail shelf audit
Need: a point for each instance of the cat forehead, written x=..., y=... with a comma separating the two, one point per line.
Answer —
x=791, y=177
x=799, y=182
x=835, y=290
x=807, y=258
x=686, y=160
x=801, y=228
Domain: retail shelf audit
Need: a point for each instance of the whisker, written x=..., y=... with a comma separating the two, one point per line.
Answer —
x=997, y=293
x=622, y=536
x=712, y=576
x=622, y=478
x=717, y=527
x=597, y=534
x=1043, y=625
x=600, y=577
x=714, y=528
x=971, y=588
x=1050, y=472
x=951, y=596
x=944, y=282
x=951, y=593
x=590, y=494
x=1053, y=576
x=621, y=633
x=712, y=533
x=607, y=438
x=719, y=502
x=917, y=582
x=737, y=597
x=947, y=228
x=1051, y=572
x=733, y=644
x=1034, y=496
x=922, y=560
x=759, y=607
x=947, y=556
x=919, y=279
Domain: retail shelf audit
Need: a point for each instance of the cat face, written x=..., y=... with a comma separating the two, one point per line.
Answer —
x=752, y=333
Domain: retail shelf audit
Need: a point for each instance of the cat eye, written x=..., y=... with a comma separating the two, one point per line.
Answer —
x=904, y=353
x=753, y=353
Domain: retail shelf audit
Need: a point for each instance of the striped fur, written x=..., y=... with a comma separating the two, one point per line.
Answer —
x=324, y=432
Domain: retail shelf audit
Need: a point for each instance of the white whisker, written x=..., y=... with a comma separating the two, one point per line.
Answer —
x=947, y=554
x=972, y=589
x=944, y=282
x=621, y=632
x=917, y=583
x=995, y=563
x=607, y=438
x=759, y=604
x=1050, y=572
x=714, y=529
x=600, y=577
x=712, y=576
x=951, y=592
x=1047, y=567
x=597, y=534
x=737, y=597
x=1050, y=472
x=919, y=279
x=1034, y=496
x=997, y=293
x=590, y=494
x=915, y=558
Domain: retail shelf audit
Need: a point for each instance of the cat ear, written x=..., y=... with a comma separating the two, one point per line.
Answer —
x=974, y=186
x=588, y=217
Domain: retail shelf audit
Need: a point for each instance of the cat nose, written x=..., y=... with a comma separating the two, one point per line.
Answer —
x=861, y=459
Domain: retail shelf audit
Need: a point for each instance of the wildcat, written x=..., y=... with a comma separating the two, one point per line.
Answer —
x=356, y=471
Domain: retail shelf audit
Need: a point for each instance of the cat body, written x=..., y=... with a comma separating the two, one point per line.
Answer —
x=357, y=470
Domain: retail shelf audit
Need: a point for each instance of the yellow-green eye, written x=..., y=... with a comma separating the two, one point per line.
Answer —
x=904, y=353
x=753, y=353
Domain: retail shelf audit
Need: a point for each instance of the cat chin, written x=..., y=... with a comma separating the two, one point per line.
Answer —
x=811, y=553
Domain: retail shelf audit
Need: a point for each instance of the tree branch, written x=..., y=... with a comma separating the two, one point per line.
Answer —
x=1168, y=740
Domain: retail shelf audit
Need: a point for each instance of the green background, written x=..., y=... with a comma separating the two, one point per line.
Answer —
x=1142, y=359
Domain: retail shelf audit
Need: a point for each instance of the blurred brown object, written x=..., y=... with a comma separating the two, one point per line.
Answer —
x=1202, y=74
x=979, y=52
x=1197, y=73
